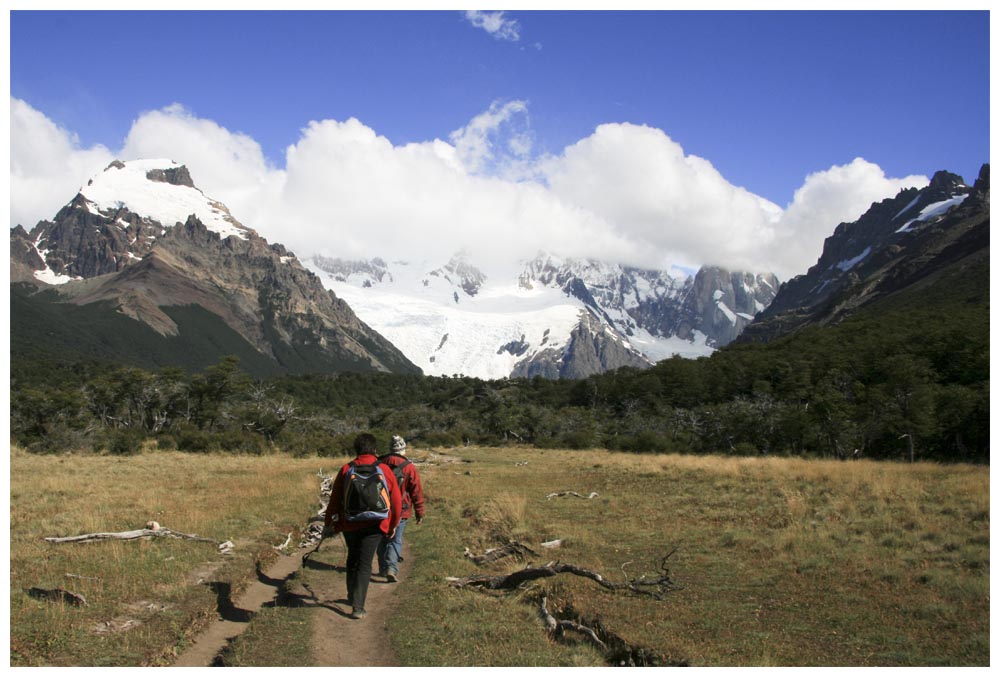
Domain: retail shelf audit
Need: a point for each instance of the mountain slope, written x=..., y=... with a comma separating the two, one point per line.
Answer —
x=898, y=244
x=140, y=238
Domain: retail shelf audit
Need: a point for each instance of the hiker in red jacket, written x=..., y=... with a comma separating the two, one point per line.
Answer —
x=365, y=511
x=391, y=547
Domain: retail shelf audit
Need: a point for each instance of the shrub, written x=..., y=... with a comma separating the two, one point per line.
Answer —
x=125, y=442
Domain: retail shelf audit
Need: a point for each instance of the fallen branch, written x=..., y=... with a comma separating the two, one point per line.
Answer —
x=616, y=649
x=137, y=533
x=654, y=587
x=512, y=549
x=552, y=544
x=82, y=578
x=557, y=627
x=556, y=494
x=285, y=544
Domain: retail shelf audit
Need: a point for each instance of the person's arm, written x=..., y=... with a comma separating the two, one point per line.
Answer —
x=416, y=492
x=332, y=516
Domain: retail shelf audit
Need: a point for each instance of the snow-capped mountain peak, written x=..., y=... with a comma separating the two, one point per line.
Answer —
x=452, y=319
x=159, y=190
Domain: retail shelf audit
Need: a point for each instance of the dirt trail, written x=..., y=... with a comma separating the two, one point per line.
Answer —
x=340, y=640
x=337, y=639
x=235, y=615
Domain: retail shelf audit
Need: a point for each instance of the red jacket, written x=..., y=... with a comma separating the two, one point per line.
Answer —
x=413, y=493
x=333, y=508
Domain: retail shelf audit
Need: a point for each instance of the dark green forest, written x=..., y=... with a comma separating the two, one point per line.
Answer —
x=905, y=379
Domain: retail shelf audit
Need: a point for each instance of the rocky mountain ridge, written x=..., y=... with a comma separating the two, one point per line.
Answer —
x=895, y=244
x=121, y=241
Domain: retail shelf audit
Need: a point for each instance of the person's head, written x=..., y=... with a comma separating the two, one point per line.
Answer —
x=398, y=445
x=364, y=444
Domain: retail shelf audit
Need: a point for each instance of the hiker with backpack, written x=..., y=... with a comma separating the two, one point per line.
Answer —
x=365, y=506
x=391, y=547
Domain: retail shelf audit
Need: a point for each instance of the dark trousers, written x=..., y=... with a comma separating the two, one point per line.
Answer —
x=361, y=547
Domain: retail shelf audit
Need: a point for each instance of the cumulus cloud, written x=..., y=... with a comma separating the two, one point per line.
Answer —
x=680, y=210
x=826, y=199
x=626, y=193
x=496, y=24
x=493, y=141
x=47, y=165
x=226, y=163
x=353, y=193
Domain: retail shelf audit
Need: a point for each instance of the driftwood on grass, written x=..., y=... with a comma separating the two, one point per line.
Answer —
x=556, y=627
x=158, y=532
x=655, y=587
x=512, y=549
x=552, y=544
x=556, y=494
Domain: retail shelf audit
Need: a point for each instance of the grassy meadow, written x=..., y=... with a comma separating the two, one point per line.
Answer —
x=780, y=562
x=144, y=597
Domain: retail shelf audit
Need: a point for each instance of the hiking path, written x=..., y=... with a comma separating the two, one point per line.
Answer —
x=317, y=583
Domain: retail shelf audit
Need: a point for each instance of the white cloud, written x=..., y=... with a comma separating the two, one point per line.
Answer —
x=47, y=165
x=495, y=24
x=626, y=193
x=676, y=207
x=494, y=142
x=222, y=162
x=680, y=210
x=827, y=199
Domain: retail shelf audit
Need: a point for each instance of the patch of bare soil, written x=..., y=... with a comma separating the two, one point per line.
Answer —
x=235, y=614
x=338, y=640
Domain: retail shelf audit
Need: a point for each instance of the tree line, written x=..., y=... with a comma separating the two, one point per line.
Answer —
x=909, y=383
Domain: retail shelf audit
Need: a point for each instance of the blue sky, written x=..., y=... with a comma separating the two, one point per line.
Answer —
x=768, y=98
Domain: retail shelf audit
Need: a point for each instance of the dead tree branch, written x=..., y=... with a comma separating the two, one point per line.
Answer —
x=137, y=533
x=656, y=587
x=512, y=549
x=557, y=627
x=556, y=494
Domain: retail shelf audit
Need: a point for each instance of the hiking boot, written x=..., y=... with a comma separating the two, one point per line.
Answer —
x=358, y=614
x=392, y=577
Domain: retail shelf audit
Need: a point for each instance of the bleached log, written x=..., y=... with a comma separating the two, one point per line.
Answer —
x=556, y=494
x=285, y=544
x=552, y=544
x=130, y=535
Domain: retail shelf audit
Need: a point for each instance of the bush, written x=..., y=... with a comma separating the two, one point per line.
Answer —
x=125, y=442
x=440, y=438
x=643, y=442
x=190, y=438
x=239, y=441
x=315, y=443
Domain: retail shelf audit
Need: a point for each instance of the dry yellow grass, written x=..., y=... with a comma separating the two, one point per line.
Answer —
x=164, y=585
x=782, y=561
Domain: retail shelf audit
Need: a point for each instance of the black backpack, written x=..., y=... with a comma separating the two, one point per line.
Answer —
x=366, y=496
x=397, y=470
